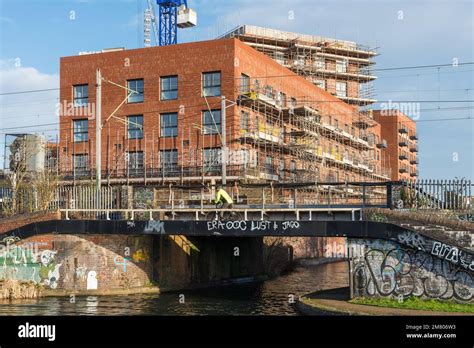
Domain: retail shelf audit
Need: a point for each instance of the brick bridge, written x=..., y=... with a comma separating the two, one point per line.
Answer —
x=400, y=256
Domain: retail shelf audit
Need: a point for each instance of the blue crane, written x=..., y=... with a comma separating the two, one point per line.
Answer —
x=174, y=14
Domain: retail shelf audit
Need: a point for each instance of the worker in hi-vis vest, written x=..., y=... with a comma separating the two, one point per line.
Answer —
x=223, y=200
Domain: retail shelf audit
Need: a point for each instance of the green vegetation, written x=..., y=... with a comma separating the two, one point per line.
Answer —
x=416, y=303
x=377, y=217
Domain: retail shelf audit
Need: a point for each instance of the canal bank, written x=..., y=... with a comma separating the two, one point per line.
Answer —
x=270, y=297
x=337, y=302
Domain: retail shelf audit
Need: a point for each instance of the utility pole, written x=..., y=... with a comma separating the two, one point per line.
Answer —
x=98, y=136
x=224, y=141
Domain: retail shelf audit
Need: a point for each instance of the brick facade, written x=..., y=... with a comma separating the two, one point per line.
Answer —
x=333, y=155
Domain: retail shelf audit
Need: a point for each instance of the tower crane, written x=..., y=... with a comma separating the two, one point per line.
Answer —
x=173, y=14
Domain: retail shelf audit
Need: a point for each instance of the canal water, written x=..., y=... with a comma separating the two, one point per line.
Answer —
x=270, y=297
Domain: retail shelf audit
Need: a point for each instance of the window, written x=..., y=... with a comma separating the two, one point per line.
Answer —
x=244, y=84
x=211, y=84
x=137, y=87
x=135, y=127
x=346, y=128
x=341, y=89
x=341, y=66
x=320, y=63
x=212, y=160
x=169, y=88
x=336, y=123
x=269, y=91
x=169, y=125
x=135, y=162
x=81, y=130
x=211, y=122
x=280, y=57
x=81, y=95
x=300, y=61
x=293, y=102
x=169, y=162
x=293, y=169
x=244, y=121
x=282, y=169
x=282, y=99
x=269, y=165
x=81, y=164
x=321, y=84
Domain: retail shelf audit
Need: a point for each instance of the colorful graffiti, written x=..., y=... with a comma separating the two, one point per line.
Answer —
x=27, y=263
x=386, y=269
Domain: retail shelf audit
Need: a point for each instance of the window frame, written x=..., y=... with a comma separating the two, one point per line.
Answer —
x=75, y=98
x=86, y=131
x=244, y=83
x=211, y=128
x=339, y=92
x=140, y=95
x=170, y=85
x=137, y=170
x=81, y=171
x=342, y=66
x=213, y=86
x=139, y=129
x=170, y=126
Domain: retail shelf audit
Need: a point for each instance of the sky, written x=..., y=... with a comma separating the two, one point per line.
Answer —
x=34, y=34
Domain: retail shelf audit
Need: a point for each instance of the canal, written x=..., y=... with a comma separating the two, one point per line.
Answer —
x=270, y=297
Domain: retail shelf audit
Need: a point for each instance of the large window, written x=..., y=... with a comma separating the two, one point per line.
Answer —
x=81, y=95
x=81, y=130
x=211, y=84
x=341, y=89
x=135, y=127
x=137, y=87
x=341, y=66
x=169, y=162
x=244, y=84
x=169, y=88
x=211, y=122
x=169, y=125
x=81, y=164
x=135, y=162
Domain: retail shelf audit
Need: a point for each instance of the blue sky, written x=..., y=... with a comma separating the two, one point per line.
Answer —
x=35, y=33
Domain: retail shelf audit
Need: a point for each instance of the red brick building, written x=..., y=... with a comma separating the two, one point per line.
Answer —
x=280, y=126
x=402, y=153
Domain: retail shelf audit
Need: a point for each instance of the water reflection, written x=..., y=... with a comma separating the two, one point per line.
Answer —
x=264, y=298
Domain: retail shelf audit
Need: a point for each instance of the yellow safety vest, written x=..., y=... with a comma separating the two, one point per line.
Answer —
x=222, y=195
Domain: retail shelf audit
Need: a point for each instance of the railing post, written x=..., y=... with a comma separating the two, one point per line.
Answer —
x=389, y=195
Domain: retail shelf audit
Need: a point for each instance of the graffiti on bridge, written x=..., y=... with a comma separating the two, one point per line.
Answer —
x=27, y=263
x=386, y=269
x=447, y=252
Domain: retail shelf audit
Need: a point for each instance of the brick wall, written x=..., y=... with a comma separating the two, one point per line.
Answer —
x=9, y=224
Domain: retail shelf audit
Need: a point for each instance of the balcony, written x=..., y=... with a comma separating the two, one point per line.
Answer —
x=414, y=174
x=403, y=157
x=383, y=144
x=415, y=161
x=403, y=131
x=414, y=137
x=402, y=171
x=403, y=144
x=414, y=149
